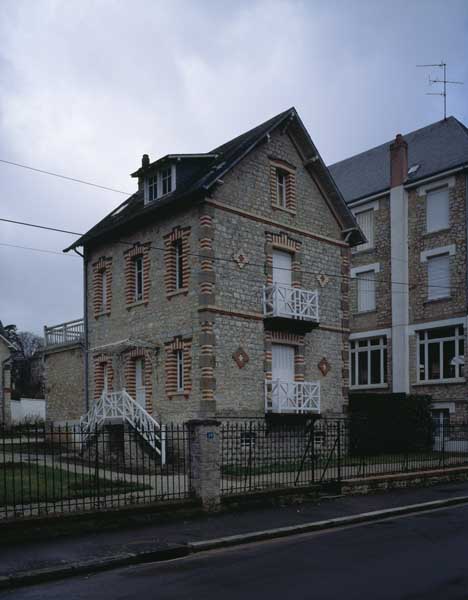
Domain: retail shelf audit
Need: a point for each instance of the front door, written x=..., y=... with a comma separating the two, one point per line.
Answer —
x=282, y=265
x=283, y=376
x=140, y=382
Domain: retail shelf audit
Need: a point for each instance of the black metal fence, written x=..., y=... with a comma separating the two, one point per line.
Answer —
x=60, y=469
x=258, y=455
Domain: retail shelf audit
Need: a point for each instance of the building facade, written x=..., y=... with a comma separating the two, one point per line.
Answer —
x=409, y=280
x=221, y=286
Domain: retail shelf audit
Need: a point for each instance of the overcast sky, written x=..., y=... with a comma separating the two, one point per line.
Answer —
x=87, y=87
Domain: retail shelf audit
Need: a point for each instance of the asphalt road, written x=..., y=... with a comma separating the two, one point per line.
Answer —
x=423, y=556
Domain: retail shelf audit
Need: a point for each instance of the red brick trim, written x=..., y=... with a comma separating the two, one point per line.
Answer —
x=182, y=234
x=129, y=272
x=101, y=361
x=290, y=174
x=103, y=265
x=171, y=366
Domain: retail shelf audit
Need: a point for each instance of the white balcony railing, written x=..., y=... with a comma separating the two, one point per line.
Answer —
x=65, y=333
x=292, y=396
x=293, y=303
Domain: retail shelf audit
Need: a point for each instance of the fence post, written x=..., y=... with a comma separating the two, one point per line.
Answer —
x=339, y=453
x=205, y=461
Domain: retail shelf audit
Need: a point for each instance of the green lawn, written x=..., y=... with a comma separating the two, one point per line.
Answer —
x=399, y=461
x=22, y=483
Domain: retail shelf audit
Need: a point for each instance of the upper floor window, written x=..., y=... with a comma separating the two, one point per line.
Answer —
x=138, y=272
x=176, y=261
x=441, y=354
x=437, y=209
x=180, y=370
x=366, y=291
x=368, y=362
x=102, y=286
x=438, y=276
x=179, y=264
x=104, y=298
x=160, y=183
x=281, y=178
x=283, y=185
x=365, y=220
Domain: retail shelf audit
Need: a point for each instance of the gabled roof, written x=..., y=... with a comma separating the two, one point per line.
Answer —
x=436, y=148
x=207, y=169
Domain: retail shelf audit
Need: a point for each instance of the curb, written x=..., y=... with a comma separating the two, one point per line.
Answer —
x=25, y=578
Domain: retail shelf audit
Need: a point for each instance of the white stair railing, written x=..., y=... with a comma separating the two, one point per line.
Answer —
x=120, y=406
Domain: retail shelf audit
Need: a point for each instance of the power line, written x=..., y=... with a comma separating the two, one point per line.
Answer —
x=218, y=258
x=39, y=250
x=96, y=185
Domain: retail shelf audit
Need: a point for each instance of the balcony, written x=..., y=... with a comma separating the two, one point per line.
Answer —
x=71, y=332
x=290, y=308
x=292, y=397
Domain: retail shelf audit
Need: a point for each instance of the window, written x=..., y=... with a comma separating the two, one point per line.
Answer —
x=180, y=370
x=438, y=276
x=104, y=290
x=365, y=220
x=437, y=209
x=368, y=362
x=160, y=184
x=138, y=266
x=366, y=291
x=281, y=180
x=441, y=354
x=179, y=265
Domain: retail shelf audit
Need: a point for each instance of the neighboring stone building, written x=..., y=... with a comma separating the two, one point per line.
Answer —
x=409, y=281
x=7, y=350
x=64, y=371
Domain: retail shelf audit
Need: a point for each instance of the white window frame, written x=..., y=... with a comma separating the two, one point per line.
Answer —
x=425, y=342
x=445, y=225
x=153, y=185
x=281, y=195
x=139, y=278
x=368, y=348
x=180, y=370
x=104, y=298
x=179, y=271
x=433, y=293
x=369, y=206
x=362, y=271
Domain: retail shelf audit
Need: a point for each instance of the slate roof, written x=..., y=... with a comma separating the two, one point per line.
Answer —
x=438, y=147
x=200, y=173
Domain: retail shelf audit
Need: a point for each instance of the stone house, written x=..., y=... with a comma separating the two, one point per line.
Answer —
x=409, y=280
x=7, y=350
x=220, y=288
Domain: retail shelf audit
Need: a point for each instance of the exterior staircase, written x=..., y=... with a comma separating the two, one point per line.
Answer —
x=120, y=407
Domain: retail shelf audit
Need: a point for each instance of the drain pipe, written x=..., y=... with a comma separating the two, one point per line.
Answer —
x=85, y=325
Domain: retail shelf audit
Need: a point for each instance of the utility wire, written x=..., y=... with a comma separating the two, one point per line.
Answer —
x=39, y=250
x=220, y=259
x=96, y=185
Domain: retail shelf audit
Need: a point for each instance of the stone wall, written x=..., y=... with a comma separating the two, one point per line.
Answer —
x=64, y=376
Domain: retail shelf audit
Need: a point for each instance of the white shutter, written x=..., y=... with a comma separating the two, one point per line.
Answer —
x=366, y=291
x=438, y=276
x=282, y=266
x=437, y=209
x=365, y=221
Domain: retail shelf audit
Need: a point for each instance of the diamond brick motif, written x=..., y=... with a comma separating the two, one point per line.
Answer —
x=324, y=366
x=241, y=259
x=323, y=279
x=241, y=357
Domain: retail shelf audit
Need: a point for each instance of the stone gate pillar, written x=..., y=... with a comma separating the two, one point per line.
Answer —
x=205, y=461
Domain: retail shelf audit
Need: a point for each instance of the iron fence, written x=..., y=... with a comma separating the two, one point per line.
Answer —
x=61, y=469
x=258, y=455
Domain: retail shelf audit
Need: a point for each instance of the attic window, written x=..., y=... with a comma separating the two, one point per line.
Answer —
x=160, y=183
x=412, y=170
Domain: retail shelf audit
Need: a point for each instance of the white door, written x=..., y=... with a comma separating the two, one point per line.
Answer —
x=283, y=376
x=140, y=382
x=283, y=300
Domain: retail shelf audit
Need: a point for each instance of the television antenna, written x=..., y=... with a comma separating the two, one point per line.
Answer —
x=441, y=65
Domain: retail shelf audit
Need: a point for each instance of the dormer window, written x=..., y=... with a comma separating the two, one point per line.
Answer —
x=160, y=183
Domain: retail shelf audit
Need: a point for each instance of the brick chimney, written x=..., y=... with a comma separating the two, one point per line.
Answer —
x=145, y=161
x=398, y=161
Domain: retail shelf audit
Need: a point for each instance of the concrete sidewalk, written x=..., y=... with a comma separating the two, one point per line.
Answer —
x=43, y=559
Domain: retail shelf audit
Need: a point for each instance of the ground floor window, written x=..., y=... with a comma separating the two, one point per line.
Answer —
x=368, y=361
x=441, y=353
